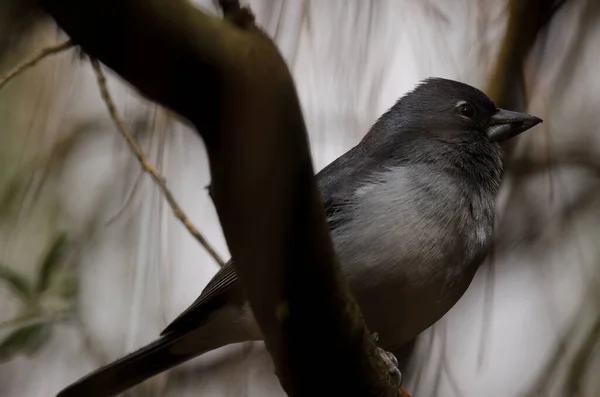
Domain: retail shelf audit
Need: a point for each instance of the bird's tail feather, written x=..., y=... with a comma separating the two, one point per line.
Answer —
x=129, y=371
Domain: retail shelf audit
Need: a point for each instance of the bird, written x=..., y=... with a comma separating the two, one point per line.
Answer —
x=411, y=214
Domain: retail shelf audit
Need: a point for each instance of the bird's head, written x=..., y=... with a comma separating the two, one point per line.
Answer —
x=446, y=124
x=456, y=112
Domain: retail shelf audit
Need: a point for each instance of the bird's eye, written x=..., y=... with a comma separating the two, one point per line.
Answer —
x=466, y=110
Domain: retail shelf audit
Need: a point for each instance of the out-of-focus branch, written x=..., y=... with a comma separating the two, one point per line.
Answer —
x=506, y=85
x=230, y=81
x=147, y=164
x=33, y=61
x=525, y=21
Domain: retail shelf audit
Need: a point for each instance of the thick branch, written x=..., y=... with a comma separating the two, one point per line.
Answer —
x=234, y=86
x=526, y=18
x=506, y=86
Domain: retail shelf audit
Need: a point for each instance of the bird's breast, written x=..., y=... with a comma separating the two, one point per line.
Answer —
x=410, y=248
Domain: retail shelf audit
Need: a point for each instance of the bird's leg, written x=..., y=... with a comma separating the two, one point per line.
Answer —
x=391, y=361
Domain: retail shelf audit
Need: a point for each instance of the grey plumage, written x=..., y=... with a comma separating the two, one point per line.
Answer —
x=411, y=211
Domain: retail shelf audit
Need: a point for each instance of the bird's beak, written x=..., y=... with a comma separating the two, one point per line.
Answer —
x=506, y=124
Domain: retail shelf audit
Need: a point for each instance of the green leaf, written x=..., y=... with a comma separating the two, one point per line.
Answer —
x=68, y=287
x=25, y=340
x=52, y=261
x=19, y=284
x=11, y=197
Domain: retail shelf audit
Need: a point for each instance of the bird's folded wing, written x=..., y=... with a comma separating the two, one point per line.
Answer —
x=226, y=278
x=222, y=282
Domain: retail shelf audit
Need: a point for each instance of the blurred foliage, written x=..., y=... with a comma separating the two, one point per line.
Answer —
x=25, y=340
x=26, y=183
x=51, y=297
x=31, y=168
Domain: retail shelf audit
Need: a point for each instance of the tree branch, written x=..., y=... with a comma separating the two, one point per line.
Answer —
x=527, y=19
x=234, y=86
x=33, y=61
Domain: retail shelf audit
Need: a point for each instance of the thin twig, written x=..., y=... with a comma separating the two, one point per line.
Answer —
x=33, y=61
x=128, y=200
x=131, y=194
x=147, y=165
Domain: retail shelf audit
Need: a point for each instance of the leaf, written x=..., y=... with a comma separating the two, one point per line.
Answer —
x=17, y=282
x=25, y=340
x=52, y=261
x=11, y=197
x=68, y=287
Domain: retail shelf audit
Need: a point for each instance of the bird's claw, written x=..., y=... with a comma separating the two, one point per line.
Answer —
x=391, y=361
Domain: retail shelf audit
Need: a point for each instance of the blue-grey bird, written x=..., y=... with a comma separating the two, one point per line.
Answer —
x=411, y=213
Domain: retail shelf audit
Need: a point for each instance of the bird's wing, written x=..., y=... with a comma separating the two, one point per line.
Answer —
x=224, y=281
x=226, y=278
x=334, y=211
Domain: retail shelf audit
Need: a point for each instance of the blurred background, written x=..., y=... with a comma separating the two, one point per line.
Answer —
x=93, y=264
